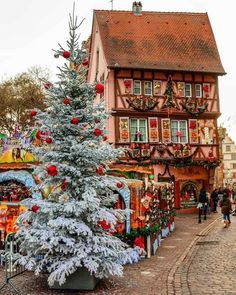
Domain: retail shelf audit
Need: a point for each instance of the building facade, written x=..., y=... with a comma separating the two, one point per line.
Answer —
x=160, y=72
x=229, y=162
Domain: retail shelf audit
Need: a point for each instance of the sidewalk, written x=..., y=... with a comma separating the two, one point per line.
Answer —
x=150, y=276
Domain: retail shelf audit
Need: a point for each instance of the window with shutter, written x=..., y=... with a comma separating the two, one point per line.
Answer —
x=165, y=130
x=153, y=129
x=188, y=90
x=157, y=85
x=198, y=90
x=124, y=129
x=147, y=88
x=137, y=87
x=179, y=131
x=138, y=130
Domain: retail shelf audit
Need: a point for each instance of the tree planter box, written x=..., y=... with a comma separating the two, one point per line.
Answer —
x=79, y=280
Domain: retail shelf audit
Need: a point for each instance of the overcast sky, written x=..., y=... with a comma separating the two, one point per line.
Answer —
x=30, y=29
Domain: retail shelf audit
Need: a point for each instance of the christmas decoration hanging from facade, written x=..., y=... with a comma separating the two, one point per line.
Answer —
x=170, y=100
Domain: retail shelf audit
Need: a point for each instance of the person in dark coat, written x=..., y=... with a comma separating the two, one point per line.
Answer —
x=226, y=209
x=202, y=204
x=214, y=198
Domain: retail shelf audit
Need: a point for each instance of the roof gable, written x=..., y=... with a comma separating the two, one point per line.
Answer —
x=157, y=40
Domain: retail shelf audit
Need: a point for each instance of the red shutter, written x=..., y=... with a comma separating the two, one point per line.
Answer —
x=153, y=129
x=165, y=130
x=124, y=129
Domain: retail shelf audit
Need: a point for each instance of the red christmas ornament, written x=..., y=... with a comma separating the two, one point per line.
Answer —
x=64, y=184
x=66, y=101
x=48, y=140
x=85, y=62
x=192, y=125
x=52, y=170
x=105, y=138
x=99, y=88
x=100, y=170
x=33, y=113
x=97, y=132
x=119, y=185
x=75, y=121
x=35, y=208
x=105, y=225
x=139, y=242
x=47, y=85
x=66, y=54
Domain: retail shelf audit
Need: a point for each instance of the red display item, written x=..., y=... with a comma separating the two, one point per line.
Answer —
x=85, y=62
x=66, y=101
x=66, y=54
x=97, y=121
x=75, y=121
x=105, y=225
x=38, y=135
x=139, y=242
x=105, y=138
x=33, y=113
x=35, y=208
x=179, y=133
x=100, y=171
x=192, y=125
x=99, y=88
x=48, y=140
x=52, y=170
x=205, y=88
x=127, y=83
x=119, y=185
x=97, y=132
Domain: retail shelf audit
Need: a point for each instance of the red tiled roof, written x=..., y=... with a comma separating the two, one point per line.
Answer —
x=157, y=40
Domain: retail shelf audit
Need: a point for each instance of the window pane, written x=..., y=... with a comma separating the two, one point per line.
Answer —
x=198, y=90
x=174, y=130
x=133, y=128
x=188, y=92
x=148, y=88
x=183, y=130
x=137, y=87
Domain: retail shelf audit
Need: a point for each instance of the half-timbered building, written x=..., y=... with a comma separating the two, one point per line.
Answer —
x=160, y=72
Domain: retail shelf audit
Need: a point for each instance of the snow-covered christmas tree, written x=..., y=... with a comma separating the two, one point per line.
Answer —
x=73, y=227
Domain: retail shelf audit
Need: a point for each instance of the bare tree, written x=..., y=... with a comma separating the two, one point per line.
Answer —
x=17, y=96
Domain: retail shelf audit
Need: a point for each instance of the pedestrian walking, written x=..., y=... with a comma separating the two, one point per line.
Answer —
x=226, y=209
x=202, y=205
x=215, y=199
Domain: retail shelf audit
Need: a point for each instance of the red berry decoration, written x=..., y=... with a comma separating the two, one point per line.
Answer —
x=99, y=88
x=33, y=113
x=66, y=101
x=97, y=121
x=105, y=225
x=47, y=85
x=48, y=140
x=64, y=184
x=75, y=121
x=119, y=185
x=97, y=131
x=85, y=62
x=35, y=208
x=52, y=170
x=105, y=138
x=100, y=171
x=66, y=54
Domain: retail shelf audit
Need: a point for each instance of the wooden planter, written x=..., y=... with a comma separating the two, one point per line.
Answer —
x=79, y=280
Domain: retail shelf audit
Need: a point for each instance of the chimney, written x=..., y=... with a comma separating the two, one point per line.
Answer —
x=137, y=8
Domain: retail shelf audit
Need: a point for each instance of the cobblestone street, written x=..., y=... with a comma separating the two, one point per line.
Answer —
x=166, y=273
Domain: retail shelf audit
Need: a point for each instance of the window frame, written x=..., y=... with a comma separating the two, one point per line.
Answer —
x=144, y=82
x=138, y=129
x=140, y=83
x=200, y=90
x=179, y=129
x=190, y=89
x=228, y=148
